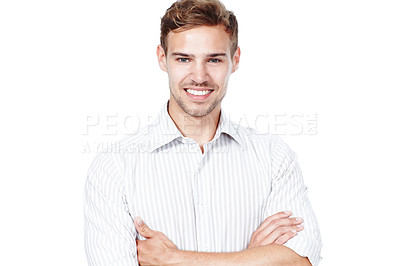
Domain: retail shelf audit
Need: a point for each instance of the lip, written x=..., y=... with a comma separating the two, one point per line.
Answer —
x=198, y=98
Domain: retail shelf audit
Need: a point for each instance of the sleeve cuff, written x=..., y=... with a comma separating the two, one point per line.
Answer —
x=311, y=251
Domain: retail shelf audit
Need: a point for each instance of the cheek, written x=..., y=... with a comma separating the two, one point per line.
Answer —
x=221, y=78
x=176, y=76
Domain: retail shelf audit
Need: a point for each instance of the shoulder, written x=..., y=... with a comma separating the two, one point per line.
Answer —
x=268, y=147
x=139, y=141
x=110, y=161
x=254, y=138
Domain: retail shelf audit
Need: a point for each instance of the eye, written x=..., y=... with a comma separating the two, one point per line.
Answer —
x=214, y=60
x=183, y=60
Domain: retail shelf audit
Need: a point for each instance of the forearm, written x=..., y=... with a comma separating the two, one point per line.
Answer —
x=274, y=255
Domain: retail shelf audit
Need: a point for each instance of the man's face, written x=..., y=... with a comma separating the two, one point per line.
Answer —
x=199, y=64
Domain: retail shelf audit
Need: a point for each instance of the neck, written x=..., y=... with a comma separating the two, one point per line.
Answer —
x=200, y=129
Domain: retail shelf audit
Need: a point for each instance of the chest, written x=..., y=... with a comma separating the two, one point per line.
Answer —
x=201, y=202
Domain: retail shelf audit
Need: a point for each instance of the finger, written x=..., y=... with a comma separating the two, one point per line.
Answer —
x=269, y=219
x=281, y=231
x=274, y=225
x=283, y=239
x=289, y=235
x=138, y=243
x=142, y=228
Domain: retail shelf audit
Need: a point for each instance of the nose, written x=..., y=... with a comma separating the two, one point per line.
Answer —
x=199, y=72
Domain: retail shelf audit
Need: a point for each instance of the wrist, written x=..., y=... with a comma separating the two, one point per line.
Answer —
x=176, y=257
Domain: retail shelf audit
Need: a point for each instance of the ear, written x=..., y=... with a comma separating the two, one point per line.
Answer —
x=162, y=58
x=236, y=59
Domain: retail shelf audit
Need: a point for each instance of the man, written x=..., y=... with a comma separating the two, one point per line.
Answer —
x=194, y=188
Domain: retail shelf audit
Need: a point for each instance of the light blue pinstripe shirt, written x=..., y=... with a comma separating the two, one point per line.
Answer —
x=211, y=201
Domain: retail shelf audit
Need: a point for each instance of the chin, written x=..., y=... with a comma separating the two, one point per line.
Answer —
x=196, y=113
x=200, y=112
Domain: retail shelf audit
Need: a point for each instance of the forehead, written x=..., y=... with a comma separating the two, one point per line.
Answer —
x=199, y=40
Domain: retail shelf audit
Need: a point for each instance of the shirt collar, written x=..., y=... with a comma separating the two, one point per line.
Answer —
x=163, y=130
x=228, y=127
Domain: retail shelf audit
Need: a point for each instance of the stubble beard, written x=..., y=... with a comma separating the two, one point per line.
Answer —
x=193, y=111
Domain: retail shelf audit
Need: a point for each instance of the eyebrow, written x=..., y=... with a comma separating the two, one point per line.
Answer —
x=192, y=55
x=217, y=54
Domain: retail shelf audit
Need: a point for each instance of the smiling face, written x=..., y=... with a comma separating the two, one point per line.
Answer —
x=198, y=64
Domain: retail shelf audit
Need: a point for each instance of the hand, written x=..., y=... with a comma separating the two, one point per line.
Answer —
x=276, y=229
x=157, y=249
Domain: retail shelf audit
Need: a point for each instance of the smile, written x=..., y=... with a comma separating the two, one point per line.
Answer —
x=198, y=92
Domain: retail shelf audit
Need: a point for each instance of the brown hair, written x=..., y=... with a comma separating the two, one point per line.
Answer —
x=188, y=14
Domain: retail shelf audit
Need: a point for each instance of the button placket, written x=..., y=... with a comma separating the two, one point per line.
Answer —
x=202, y=214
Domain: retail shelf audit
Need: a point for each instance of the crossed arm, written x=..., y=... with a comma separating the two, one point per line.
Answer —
x=264, y=249
x=110, y=234
x=273, y=255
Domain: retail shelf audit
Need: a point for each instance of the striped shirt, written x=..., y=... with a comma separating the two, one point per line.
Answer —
x=211, y=201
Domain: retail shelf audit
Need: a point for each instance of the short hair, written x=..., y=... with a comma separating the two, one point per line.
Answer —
x=188, y=14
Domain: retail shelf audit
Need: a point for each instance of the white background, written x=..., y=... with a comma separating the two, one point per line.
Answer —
x=64, y=61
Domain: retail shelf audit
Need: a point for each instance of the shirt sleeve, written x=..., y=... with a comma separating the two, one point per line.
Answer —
x=110, y=235
x=290, y=193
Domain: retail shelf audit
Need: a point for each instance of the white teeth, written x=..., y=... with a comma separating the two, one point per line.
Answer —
x=198, y=93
